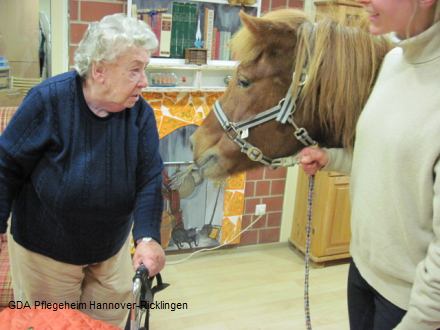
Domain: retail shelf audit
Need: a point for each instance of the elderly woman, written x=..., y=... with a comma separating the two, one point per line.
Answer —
x=80, y=168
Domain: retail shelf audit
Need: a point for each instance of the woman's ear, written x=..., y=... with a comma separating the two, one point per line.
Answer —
x=98, y=72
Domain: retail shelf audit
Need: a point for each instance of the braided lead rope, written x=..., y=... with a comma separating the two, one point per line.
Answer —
x=307, y=254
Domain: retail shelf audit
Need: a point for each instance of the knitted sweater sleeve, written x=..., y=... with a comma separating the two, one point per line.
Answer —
x=149, y=201
x=424, y=305
x=22, y=144
x=339, y=160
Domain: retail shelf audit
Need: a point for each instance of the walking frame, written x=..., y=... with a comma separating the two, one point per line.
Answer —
x=143, y=297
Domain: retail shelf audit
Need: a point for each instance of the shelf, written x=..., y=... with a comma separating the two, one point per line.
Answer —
x=208, y=77
x=179, y=64
x=183, y=89
x=225, y=2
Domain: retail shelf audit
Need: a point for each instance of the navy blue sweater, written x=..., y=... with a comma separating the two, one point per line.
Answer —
x=75, y=181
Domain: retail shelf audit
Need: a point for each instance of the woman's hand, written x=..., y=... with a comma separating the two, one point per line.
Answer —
x=151, y=255
x=312, y=159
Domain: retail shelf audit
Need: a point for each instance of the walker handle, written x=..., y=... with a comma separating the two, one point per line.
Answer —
x=141, y=273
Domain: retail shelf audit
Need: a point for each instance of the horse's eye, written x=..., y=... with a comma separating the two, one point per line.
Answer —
x=243, y=83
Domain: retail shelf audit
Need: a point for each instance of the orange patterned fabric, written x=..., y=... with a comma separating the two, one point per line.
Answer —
x=174, y=110
x=230, y=231
x=39, y=319
x=234, y=202
x=237, y=181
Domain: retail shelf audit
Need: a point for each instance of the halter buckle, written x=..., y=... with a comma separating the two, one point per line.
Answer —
x=303, y=136
x=231, y=131
x=254, y=154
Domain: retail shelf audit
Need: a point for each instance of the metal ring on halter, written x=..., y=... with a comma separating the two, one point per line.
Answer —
x=254, y=154
x=280, y=103
x=302, y=82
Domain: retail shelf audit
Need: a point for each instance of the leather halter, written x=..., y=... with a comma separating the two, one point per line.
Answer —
x=282, y=112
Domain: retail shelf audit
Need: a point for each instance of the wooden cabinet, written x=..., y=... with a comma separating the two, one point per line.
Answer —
x=330, y=237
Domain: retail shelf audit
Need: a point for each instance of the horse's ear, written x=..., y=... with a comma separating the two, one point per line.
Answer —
x=254, y=24
x=267, y=28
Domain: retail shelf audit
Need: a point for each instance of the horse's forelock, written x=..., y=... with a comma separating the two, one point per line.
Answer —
x=244, y=46
x=275, y=29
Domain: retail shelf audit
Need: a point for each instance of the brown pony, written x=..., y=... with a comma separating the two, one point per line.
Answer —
x=330, y=68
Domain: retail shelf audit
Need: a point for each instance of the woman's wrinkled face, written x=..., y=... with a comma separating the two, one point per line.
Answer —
x=389, y=15
x=125, y=78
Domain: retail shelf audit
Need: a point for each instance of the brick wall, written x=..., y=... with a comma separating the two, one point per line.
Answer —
x=263, y=186
x=82, y=12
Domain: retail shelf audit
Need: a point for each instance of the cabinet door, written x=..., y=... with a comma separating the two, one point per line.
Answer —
x=298, y=233
x=330, y=216
x=300, y=218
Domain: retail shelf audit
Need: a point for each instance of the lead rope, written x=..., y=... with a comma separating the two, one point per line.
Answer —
x=307, y=254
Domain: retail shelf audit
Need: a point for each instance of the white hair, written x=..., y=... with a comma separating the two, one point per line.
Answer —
x=110, y=37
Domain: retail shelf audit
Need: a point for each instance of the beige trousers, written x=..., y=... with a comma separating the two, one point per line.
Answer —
x=91, y=288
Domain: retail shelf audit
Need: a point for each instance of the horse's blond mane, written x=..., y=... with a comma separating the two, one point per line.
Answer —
x=341, y=63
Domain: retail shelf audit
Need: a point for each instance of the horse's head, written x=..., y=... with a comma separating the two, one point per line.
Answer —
x=323, y=72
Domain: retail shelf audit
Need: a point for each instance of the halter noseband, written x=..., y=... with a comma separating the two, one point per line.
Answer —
x=282, y=112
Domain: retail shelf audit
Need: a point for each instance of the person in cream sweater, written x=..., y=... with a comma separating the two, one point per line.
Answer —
x=394, y=278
